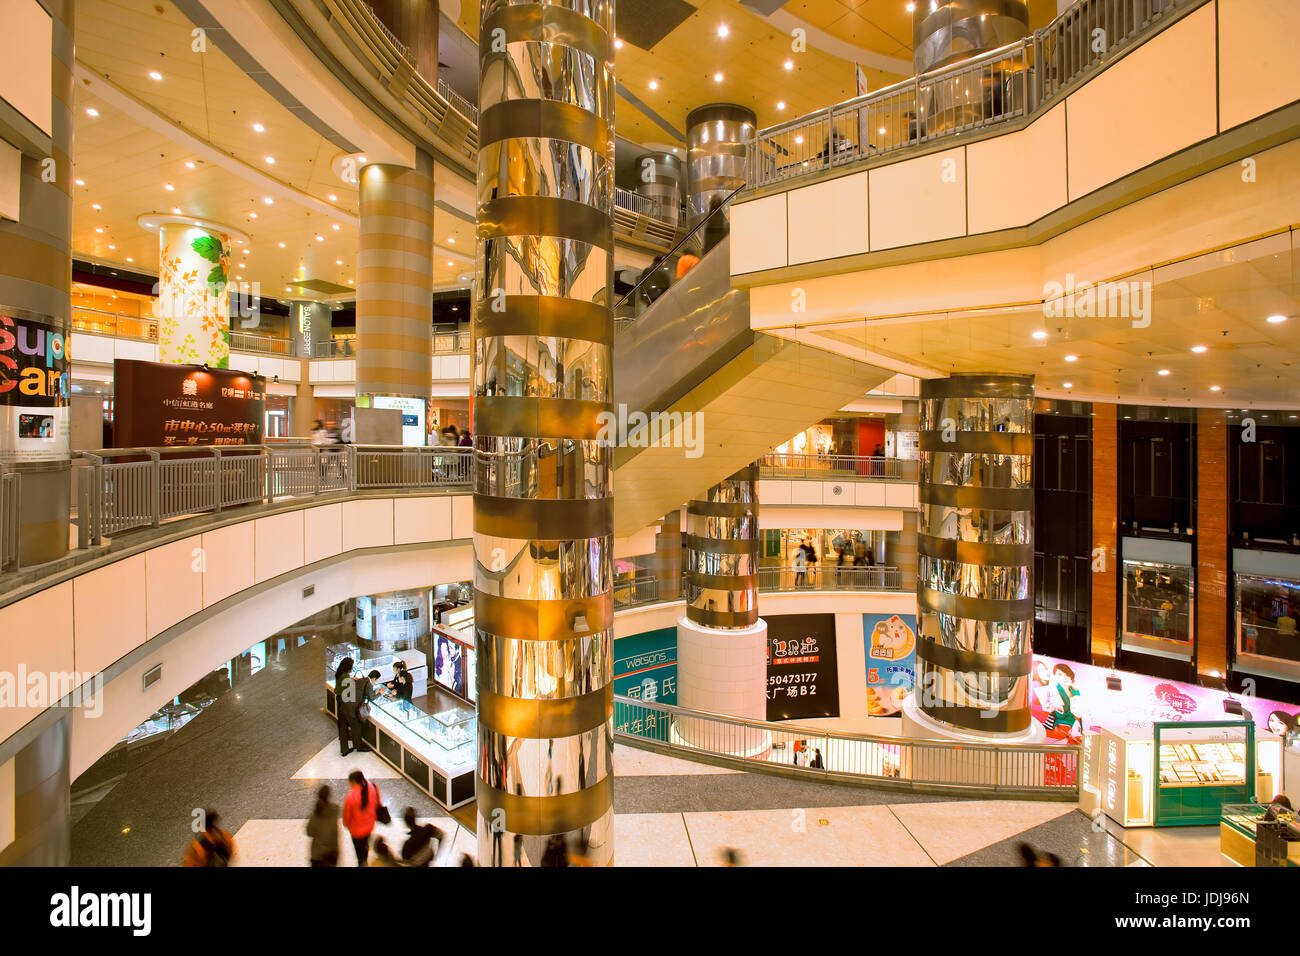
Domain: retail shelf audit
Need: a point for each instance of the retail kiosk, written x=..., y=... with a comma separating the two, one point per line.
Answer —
x=435, y=751
x=1182, y=773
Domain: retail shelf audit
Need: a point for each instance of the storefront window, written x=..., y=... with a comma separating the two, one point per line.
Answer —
x=1267, y=609
x=1158, y=601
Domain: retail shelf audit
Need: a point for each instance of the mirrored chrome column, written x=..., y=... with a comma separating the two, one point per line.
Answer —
x=543, y=505
x=716, y=165
x=975, y=599
x=722, y=553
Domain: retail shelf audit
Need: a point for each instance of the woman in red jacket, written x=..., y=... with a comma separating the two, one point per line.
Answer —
x=359, y=812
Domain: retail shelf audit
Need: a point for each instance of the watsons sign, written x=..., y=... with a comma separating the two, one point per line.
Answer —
x=33, y=362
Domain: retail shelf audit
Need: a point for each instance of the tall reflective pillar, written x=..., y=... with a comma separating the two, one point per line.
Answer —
x=974, y=595
x=543, y=505
x=40, y=800
x=395, y=286
x=35, y=292
x=721, y=641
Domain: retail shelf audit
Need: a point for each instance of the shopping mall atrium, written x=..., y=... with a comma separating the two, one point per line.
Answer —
x=676, y=433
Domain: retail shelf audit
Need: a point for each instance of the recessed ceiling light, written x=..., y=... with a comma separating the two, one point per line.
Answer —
x=246, y=251
x=1216, y=388
x=270, y=201
x=96, y=206
x=333, y=198
x=780, y=105
x=176, y=210
x=723, y=30
x=910, y=7
x=338, y=262
x=1072, y=358
x=352, y=282
x=169, y=187
x=361, y=160
x=789, y=64
x=881, y=131
x=259, y=128
x=189, y=164
x=1276, y=319
x=270, y=160
x=1163, y=371
x=99, y=229
x=129, y=259
x=1198, y=349
x=252, y=215
x=1039, y=334
x=450, y=263
x=81, y=182
x=1069, y=385
x=798, y=140
x=91, y=111
x=451, y=240
x=155, y=75
x=335, y=227
x=111, y=246
x=282, y=245
x=654, y=84
x=320, y=238
x=717, y=77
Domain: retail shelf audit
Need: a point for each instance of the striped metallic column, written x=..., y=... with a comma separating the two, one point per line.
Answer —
x=35, y=294
x=395, y=280
x=543, y=505
x=975, y=598
x=721, y=641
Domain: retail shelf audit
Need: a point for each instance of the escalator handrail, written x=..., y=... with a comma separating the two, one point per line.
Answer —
x=680, y=243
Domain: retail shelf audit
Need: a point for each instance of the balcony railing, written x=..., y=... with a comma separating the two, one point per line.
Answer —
x=116, y=324
x=442, y=343
x=451, y=343
x=257, y=342
x=783, y=465
x=637, y=590
x=926, y=766
x=998, y=87
x=123, y=489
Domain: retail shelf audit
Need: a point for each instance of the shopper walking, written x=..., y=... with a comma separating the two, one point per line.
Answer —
x=347, y=703
x=360, y=811
x=800, y=566
x=212, y=847
x=323, y=828
x=422, y=841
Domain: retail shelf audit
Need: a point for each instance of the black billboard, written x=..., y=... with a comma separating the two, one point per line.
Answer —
x=185, y=405
x=802, y=671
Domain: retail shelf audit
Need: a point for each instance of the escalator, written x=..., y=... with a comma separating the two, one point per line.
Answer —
x=691, y=352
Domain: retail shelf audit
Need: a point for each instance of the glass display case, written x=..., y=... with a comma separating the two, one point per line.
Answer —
x=1243, y=824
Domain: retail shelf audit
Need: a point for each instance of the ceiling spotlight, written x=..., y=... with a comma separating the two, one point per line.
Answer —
x=789, y=64
x=1276, y=319
x=1163, y=371
x=450, y=263
x=189, y=164
x=451, y=240
x=259, y=128
x=155, y=75
x=81, y=182
x=252, y=215
x=320, y=238
x=91, y=111
x=1072, y=358
x=717, y=77
x=246, y=251
x=269, y=201
x=169, y=187
x=111, y=246
x=335, y=227
x=881, y=131
x=723, y=30
x=798, y=140
x=780, y=105
x=1039, y=334
x=1198, y=349
x=96, y=206
x=654, y=84
x=361, y=160
x=270, y=160
x=99, y=229
x=176, y=210
x=333, y=198
x=338, y=262
x=129, y=259
x=911, y=7
x=282, y=245
x=1069, y=385
x=1216, y=388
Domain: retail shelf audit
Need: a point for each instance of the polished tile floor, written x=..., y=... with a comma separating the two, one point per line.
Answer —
x=258, y=756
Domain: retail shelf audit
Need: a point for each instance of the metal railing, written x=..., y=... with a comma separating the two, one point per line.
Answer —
x=123, y=489
x=1010, y=83
x=927, y=766
x=10, y=511
x=256, y=342
x=783, y=465
x=634, y=202
x=442, y=343
x=451, y=343
x=101, y=322
x=639, y=590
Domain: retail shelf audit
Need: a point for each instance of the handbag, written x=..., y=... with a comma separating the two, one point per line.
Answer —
x=364, y=710
x=381, y=811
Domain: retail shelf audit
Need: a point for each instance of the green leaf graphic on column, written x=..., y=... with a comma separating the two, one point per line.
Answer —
x=217, y=278
x=208, y=247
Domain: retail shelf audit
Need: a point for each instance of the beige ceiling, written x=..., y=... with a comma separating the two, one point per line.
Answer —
x=205, y=99
x=1221, y=301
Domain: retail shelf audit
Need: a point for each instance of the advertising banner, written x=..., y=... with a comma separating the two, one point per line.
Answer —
x=802, y=673
x=158, y=404
x=1068, y=698
x=34, y=387
x=890, y=641
x=454, y=665
x=645, y=668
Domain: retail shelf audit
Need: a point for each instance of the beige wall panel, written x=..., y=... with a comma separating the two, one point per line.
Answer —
x=918, y=200
x=828, y=220
x=1015, y=179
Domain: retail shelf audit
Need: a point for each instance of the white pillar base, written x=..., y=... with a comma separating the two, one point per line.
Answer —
x=722, y=672
x=917, y=725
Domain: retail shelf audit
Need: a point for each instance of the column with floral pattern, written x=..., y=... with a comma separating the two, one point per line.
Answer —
x=193, y=296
